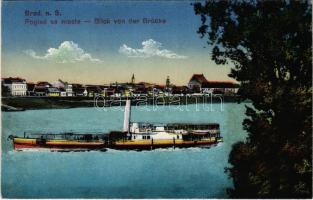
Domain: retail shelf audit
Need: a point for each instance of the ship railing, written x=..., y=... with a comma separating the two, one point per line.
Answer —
x=67, y=136
x=169, y=126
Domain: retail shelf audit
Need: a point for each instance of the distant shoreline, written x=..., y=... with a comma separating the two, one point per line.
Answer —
x=37, y=103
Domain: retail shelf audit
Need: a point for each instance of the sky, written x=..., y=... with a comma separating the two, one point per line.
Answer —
x=93, y=53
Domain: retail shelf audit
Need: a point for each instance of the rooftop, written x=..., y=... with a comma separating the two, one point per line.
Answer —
x=53, y=89
x=11, y=80
x=198, y=77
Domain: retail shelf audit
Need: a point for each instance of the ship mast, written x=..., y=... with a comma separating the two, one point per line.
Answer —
x=127, y=116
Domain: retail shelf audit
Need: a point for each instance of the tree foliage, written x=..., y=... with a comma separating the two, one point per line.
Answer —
x=269, y=45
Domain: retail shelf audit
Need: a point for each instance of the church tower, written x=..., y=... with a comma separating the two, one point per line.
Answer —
x=133, y=79
x=168, y=82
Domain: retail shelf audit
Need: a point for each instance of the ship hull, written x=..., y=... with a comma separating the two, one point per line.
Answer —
x=25, y=143
x=148, y=145
x=68, y=145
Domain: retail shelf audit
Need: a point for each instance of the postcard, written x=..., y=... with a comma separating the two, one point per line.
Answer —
x=156, y=99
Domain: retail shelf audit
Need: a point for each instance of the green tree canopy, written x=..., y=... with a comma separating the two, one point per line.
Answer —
x=269, y=45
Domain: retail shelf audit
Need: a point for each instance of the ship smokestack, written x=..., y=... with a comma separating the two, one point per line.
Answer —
x=127, y=116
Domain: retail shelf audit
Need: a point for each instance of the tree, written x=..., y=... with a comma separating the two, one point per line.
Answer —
x=5, y=90
x=269, y=45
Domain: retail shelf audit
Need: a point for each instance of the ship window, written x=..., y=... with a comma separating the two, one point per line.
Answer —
x=148, y=137
x=144, y=137
x=177, y=136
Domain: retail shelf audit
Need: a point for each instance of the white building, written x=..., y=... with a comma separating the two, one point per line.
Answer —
x=85, y=93
x=62, y=93
x=196, y=81
x=69, y=90
x=66, y=86
x=219, y=87
x=17, y=86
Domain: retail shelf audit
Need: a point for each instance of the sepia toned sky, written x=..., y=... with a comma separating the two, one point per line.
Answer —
x=103, y=53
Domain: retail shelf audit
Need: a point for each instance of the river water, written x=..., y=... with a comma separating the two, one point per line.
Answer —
x=162, y=173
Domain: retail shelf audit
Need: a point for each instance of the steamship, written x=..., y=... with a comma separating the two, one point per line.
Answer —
x=135, y=136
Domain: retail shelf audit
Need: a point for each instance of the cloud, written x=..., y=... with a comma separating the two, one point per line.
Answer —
x=149, y=49
x=67, y=52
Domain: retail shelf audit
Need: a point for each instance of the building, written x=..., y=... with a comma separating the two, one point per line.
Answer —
x=133, y=79
x=68, y=88
x=109, y=91
x=40, y=91
x=41, y=88
x=196, y=82
x=53, y=92
x=93, y=90
x=85, y=93
x=78, y=90
x=168, y=82
x=31, y=89
x=180, y=90
x=219, y=87
x=16, y=86
x=62, y=92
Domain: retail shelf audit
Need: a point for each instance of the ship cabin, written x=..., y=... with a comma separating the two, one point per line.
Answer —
x=177, y=131
x=70, y=136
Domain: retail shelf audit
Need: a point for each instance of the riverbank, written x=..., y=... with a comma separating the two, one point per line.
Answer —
x=34, y=103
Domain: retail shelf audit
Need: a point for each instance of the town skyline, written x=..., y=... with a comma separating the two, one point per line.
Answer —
x=198, y=85
x=96, y=53
x=113, y=82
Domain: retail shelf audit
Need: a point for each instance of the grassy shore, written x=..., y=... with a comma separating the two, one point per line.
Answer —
x=28, y=103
